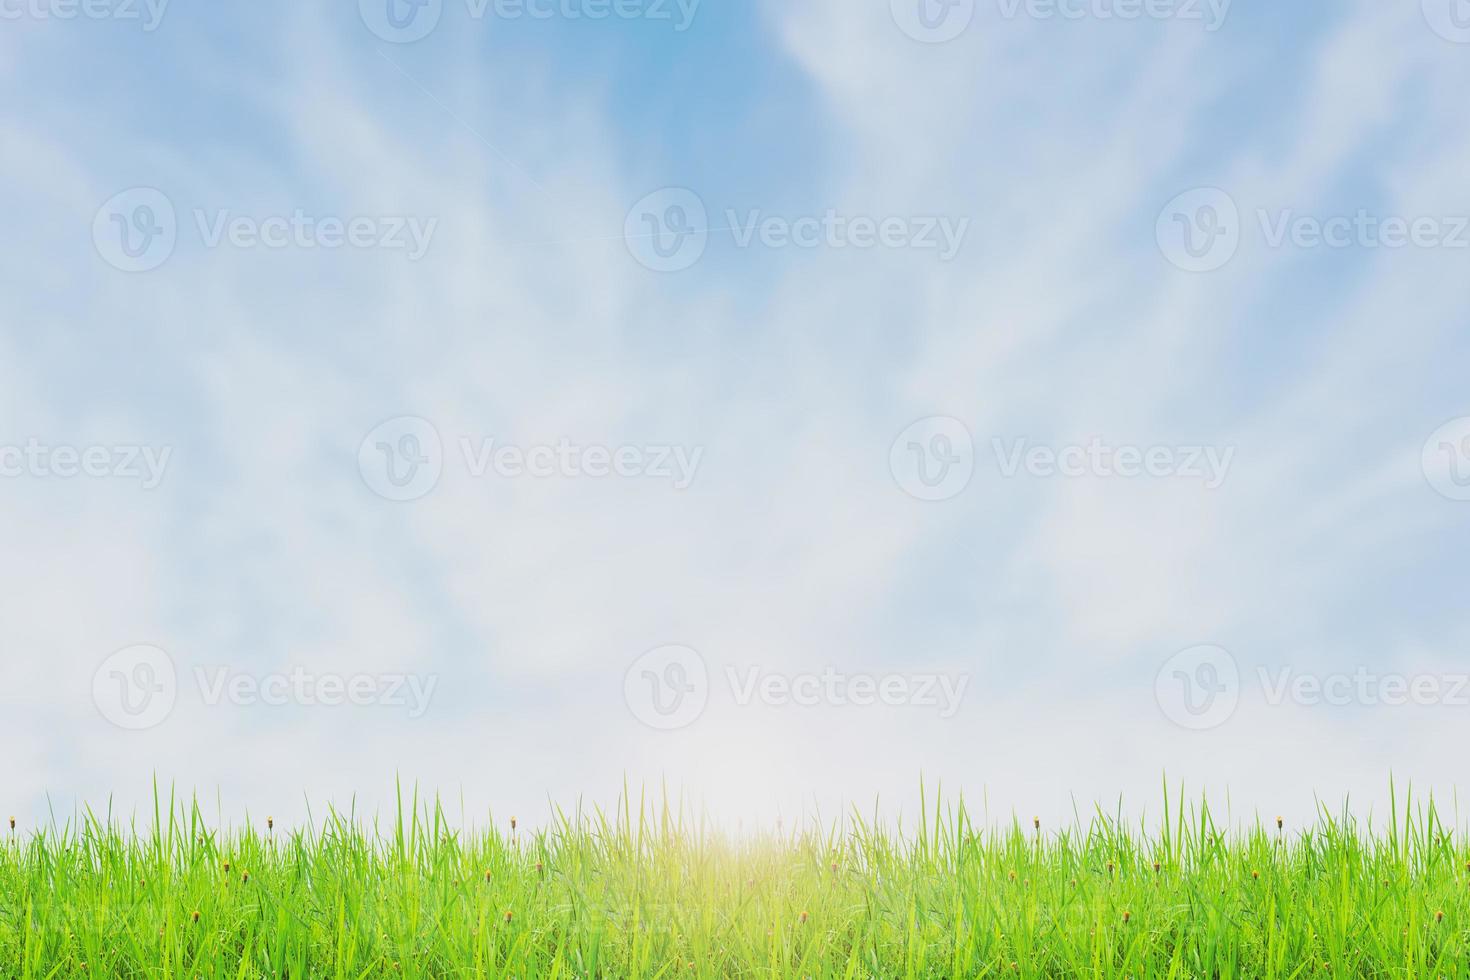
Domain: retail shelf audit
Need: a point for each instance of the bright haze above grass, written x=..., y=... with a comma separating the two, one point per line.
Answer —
x=1049, y=604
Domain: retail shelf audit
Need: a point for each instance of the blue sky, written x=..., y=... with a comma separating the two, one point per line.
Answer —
x=1053, y=148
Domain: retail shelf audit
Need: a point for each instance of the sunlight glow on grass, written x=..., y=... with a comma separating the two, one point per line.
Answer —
x=648, y=891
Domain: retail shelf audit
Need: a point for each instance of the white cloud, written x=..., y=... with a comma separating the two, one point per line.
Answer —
x=793, y=548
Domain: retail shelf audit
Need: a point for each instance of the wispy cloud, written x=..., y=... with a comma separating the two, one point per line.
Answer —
x=526, y=322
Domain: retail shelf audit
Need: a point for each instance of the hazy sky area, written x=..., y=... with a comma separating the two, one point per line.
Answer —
x=777, y=402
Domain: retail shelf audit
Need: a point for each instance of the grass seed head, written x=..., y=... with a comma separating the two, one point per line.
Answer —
x=270, y=823
x=245, y=878
x=1156, y=867
x=803, y=917
x=1036, y=822
x=1255, y=876
x=507, y=916
x=196, y=916
x=512, y=824
x=1126, y=916
x=1278, y=823
x=1439, y=916
x=487, y=874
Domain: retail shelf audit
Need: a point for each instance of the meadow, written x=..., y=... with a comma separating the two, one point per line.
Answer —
x=650, y=890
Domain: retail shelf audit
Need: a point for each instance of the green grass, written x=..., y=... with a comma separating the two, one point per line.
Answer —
x=646, y=892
